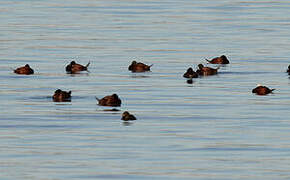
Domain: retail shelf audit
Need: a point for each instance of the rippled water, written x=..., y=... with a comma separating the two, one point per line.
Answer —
x=213, y=129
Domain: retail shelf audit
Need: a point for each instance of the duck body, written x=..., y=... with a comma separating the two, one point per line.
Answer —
x=73, y=67
x=206, y=71
x=61, y=96
x=262, y=90
x=190, y=73
x=27, y=70
x=112, y=100
x=139, y=67
x=126, y=116
x=219, y=60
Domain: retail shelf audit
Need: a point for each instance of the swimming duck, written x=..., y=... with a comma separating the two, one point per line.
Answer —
x=139, y=67
x=112, y=100
x=24, y=70
x=73, y=67
x=219, y=60
x=190, y=73
x=206, y=71
x=288, y=70
x=61, y=96
x=126, y=116
x=262, y=90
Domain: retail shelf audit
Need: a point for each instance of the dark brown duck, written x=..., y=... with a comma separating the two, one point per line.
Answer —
x=139, y=67
x=73, y=67
x=24, y=70
x=219, y=60
x=126, y=116
x=190, y=73
x=262, y=90
x=206, y=71
x=112, y=100
x=61, y=96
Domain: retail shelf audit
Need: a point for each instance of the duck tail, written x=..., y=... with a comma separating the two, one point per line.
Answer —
x=207, y=60
x=151, y=65
x=272, y=90
x=86, y=67
x=88, y=64
x=97, y=98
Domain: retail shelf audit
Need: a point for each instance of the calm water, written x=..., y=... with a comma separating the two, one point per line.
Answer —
x=213, y=129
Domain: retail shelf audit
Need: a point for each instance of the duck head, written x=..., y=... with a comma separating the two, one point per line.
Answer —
x=200, y=66
x=57, y=91
x=189, y=70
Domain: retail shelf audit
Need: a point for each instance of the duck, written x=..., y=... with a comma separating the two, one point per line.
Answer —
x=190, y=73
x=112, y=100
x=27, y=70
x=73, y=67
x=262, y=90
x=61, y=96
x=139, y=67
x=126, y=116
x=206, y=71
x=288, y=70
x=219, y=60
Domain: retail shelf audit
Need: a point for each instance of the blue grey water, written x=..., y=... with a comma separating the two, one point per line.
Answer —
x=213, y=129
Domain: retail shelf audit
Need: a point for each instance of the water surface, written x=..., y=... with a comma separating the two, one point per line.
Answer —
x=214, y=128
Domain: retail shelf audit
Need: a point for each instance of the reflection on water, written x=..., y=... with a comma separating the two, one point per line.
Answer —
x=213, y=127
x=79, y=74
x=113, y=110
x=125, y=123
x=139, y=76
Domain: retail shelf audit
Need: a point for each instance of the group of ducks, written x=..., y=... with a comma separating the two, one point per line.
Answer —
x=207, y=71
x=73, y=68
x=114, y=101
x=111, y=100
